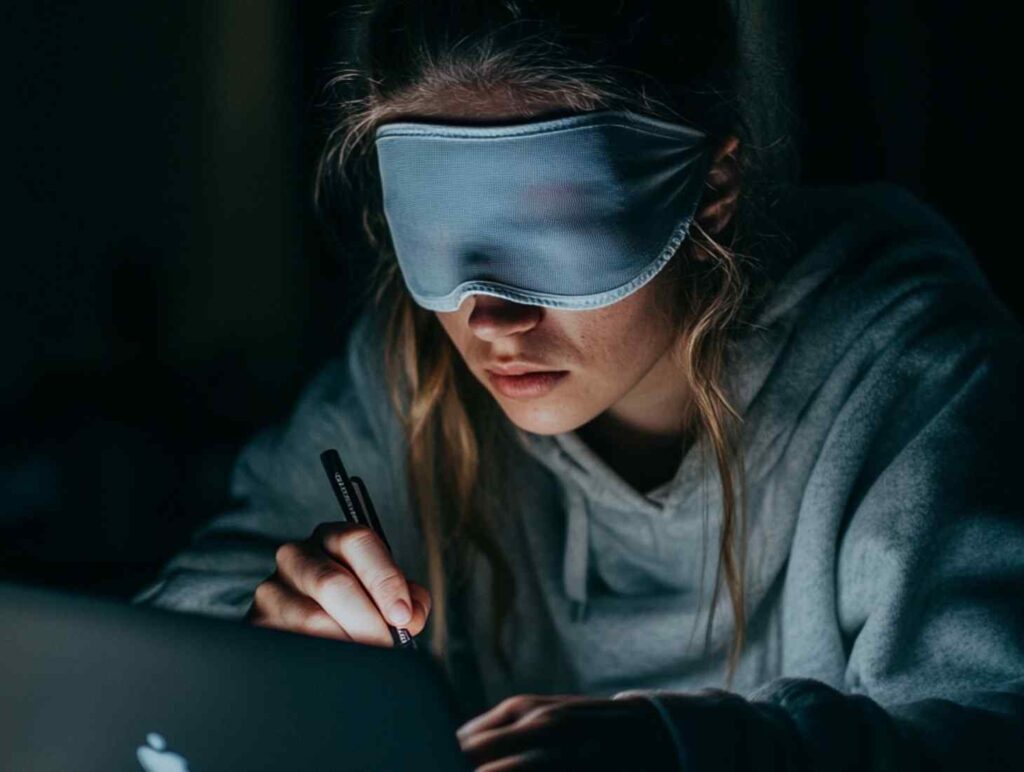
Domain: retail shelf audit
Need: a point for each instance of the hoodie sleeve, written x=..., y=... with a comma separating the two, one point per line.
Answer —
x=929, y=571
x=282, y=493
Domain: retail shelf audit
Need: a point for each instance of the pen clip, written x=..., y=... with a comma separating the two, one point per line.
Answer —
x=341, y=484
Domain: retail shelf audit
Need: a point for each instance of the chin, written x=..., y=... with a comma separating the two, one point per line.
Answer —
x=537, y=419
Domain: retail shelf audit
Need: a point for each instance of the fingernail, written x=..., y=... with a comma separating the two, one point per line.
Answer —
x=400, y=612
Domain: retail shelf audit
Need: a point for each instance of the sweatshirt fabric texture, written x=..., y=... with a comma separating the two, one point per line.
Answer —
x=878, y=383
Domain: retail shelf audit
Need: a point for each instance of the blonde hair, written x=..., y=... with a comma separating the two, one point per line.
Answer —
x=450, y=421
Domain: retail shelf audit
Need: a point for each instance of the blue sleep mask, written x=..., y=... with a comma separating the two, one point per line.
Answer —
x=572, y=213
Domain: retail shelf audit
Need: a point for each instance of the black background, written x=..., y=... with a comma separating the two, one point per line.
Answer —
x=164, y=290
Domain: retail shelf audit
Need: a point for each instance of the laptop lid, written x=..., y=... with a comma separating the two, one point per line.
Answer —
x=88, y=683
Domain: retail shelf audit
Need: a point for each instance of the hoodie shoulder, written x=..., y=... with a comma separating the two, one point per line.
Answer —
x=869, y=236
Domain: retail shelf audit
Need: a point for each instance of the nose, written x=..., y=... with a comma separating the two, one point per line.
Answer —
x=493, y=317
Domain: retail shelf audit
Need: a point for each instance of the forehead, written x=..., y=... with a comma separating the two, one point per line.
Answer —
x=480, y=109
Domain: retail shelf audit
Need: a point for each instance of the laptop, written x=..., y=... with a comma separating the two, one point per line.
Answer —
x=88, y=683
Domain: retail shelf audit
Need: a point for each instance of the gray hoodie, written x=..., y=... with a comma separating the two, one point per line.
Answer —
x=878, y=382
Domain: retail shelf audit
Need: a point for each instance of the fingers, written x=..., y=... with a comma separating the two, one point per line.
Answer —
x=277, y=606
x=335, y=589
x=343, y=573
x=421, y=605
x=545, y=730
x=508, y=711
x=363, y=551
x=534, y=759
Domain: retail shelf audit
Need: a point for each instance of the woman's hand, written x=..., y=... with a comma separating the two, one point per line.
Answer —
x=568, y=732
x=335, y=584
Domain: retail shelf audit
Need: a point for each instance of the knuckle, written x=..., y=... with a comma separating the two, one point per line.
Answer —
x=337, y=539
x=317, y=620
x=358, y=537
x=261, y=595
x=332, y=579
x=386, y=581
x=517, y=703
x=544, y=714
x=286, y=553
x=326, y=530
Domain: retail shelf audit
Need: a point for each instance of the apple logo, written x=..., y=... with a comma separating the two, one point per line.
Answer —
x=154, y=758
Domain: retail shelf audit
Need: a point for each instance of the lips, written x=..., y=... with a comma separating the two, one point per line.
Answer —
x=519, y=369
x=528, y=384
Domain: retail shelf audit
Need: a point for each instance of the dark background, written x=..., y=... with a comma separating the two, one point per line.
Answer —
x=164, y=290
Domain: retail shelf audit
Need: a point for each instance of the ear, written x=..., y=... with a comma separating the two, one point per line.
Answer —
x=724, y=179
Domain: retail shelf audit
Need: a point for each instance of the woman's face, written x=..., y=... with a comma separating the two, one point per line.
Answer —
x=616, y=360
x=613, y=358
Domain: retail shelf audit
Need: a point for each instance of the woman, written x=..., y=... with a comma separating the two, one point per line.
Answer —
x=757, y=513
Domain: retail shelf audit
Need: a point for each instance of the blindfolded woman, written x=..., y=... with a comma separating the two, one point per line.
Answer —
x=682, y=467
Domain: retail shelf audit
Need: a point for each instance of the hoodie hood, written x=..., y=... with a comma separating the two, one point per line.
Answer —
x=802, y=224
x=594, y=490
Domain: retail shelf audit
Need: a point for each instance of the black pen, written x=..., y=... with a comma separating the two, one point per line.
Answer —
x=352, y=508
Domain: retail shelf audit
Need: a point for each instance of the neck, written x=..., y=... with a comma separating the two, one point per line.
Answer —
x=644, y=435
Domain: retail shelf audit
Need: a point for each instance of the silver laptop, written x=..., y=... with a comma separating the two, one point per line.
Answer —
x=96, y=684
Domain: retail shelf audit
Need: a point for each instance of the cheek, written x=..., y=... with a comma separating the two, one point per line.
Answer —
x=456, y=330
x=625, y=337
